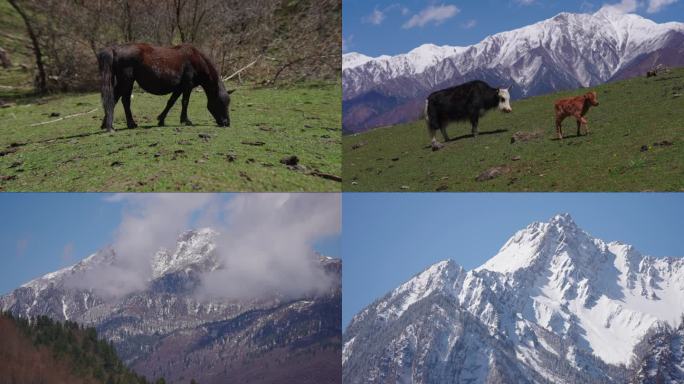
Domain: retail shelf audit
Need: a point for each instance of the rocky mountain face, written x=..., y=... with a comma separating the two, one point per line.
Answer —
x=567, y=51
x=168, y=330
x=555, y=305
x=660, y=356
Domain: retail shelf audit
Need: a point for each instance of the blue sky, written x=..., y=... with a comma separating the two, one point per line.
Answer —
x=43, y=232
x=390, y=237
x=392, y=27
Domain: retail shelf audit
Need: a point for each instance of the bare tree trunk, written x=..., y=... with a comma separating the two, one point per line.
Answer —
x=128, y=22
x=42, y=78
x=179, y=7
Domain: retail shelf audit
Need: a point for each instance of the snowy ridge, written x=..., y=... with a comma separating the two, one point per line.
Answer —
x=192, y=247
x=413, y=62
x=553, y=293
x=622, y=37
x=101, y=257
x=438, y=277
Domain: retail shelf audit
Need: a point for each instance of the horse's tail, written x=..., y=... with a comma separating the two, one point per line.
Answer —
x=105, y=61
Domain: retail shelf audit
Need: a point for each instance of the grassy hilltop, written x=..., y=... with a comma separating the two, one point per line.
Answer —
x=636, y=143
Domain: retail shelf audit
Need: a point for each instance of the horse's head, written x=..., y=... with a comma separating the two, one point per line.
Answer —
x=218, y=107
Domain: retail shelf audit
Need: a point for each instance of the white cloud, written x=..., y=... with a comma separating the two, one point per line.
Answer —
x=469, y=24
x=347, y=43
x=525, y=2
x=376, y=17
x=265, y=242
x=587, y=7
x=655, y=6
x=402, y=9
x=68, y=254
x=22, y=245
x=267, y=245
x=432, y=14
x=150, y=222
x=624, y=6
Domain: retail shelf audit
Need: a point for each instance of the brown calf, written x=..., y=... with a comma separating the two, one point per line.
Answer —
x=576, y=107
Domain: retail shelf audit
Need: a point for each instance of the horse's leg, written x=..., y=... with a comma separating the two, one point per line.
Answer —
x=184, y=104
x=169, y=104
x=126, y=90
x=108, y=120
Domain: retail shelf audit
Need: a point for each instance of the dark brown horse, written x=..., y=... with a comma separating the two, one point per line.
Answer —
x=160, y=71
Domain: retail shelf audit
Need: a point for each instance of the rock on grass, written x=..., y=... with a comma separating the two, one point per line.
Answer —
x=492, y=173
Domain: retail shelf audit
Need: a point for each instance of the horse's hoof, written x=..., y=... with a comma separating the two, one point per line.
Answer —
x=161, y=123
x=188, y=123
x=131, y=126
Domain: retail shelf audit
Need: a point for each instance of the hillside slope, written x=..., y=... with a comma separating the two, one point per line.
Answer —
x=45, y=351
x=635, y=143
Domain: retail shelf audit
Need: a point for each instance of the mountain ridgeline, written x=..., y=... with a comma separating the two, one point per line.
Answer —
x=168, y=330
x=555, y=305
x=565, y=52
x=41, y=350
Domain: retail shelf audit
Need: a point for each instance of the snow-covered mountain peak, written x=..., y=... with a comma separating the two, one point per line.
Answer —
x=563, y=219
x=354, y=59
x=444, y=276
x=553, y=296
x=193, y=247
x=537, y=242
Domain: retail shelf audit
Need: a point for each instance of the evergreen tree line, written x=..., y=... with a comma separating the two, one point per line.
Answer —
x=82, y=350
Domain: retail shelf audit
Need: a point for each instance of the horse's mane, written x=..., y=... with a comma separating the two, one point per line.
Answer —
x=213, y=73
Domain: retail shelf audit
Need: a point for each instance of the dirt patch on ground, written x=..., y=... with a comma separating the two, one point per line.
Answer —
x=525, y=136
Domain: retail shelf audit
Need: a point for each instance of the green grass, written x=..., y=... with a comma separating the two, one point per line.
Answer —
x=633, y=113
x=76, y=155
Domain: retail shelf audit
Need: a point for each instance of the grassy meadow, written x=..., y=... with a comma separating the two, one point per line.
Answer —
x=39, y=152
x=635, y=143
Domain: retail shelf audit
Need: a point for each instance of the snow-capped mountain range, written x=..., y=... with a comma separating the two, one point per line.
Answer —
x=169, y=330
x=567, y=51
x=554, y=305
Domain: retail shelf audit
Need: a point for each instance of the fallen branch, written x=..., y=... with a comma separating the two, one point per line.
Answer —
x=62, y=118
x=296, y=61
x=240, y=70
x=326, y=176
